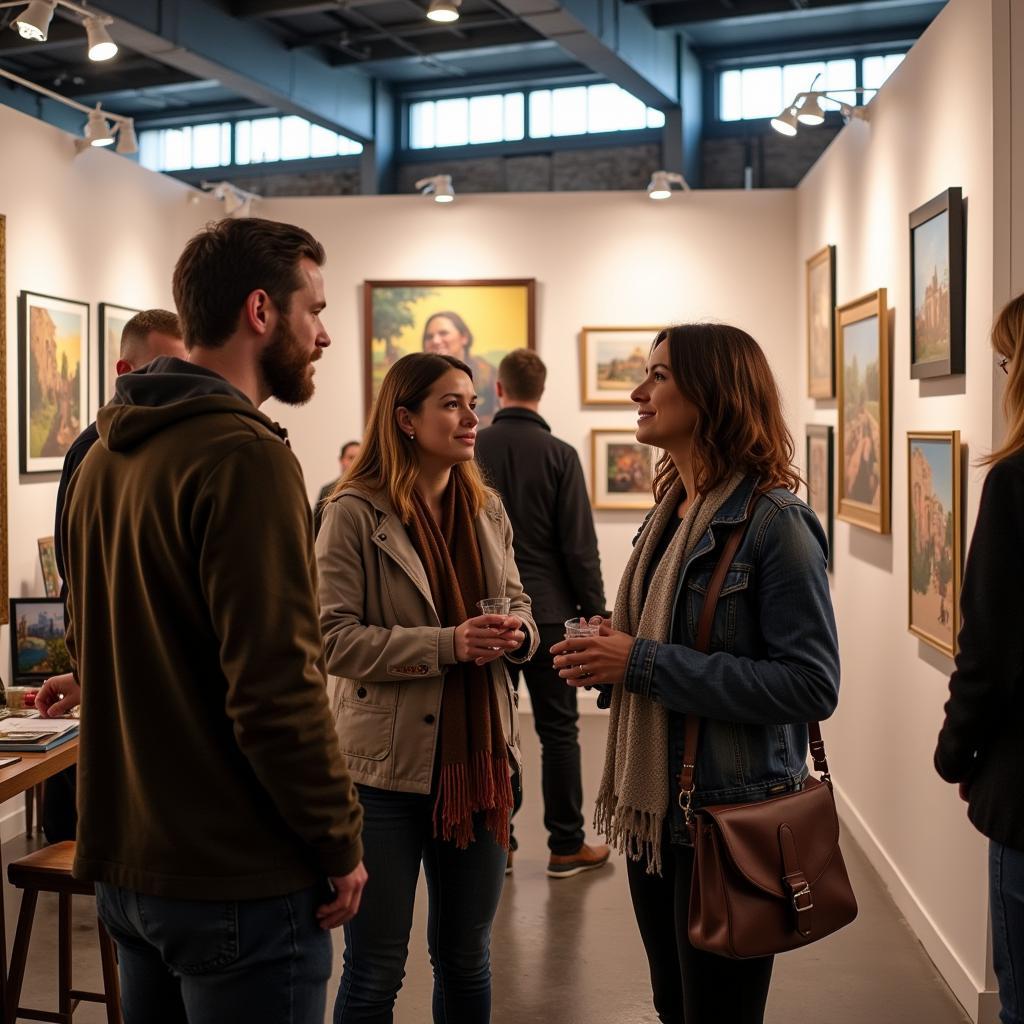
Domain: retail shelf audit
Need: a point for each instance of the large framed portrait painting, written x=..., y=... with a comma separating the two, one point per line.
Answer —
x=53, y=358
x=933, y=458
x=820, y=275
x=862, y=351
x=479, y=322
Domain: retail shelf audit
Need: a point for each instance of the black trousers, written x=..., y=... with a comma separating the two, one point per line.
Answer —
x=690, y=985
x=556, y=719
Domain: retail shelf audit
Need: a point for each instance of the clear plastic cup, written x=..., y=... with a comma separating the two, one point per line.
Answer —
x=495, y=605
x=580, y=627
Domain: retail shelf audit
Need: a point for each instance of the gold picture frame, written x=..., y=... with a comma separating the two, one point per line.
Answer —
x=612, y=361
x=865, y=427
x=934, y=530
x=4, y=581
x=621, y=471
x=820, y=280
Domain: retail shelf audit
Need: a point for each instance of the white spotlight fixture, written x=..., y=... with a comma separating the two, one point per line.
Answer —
x=444, y=10
x=237, y=202
x=439, y=186
x=786, y=122
x=101, y=46
x=661, y=184
x=806, y=109
x=810, y=112
x=97, y=130
x=126, y=141
x=34, y=22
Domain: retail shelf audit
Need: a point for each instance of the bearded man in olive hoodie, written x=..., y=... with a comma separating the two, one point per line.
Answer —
x=213, y=802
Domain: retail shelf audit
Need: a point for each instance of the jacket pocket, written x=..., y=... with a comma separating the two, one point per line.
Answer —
x=365, y=730
x=723, y=631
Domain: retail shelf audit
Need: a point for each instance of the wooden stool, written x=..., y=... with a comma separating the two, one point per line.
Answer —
x=49, y=870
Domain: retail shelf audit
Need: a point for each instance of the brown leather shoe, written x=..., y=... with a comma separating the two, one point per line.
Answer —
x=586, y=858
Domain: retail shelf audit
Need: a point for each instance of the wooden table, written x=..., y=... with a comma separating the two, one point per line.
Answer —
x=30, y=771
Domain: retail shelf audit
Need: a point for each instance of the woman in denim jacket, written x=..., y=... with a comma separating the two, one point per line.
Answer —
x=709, y=400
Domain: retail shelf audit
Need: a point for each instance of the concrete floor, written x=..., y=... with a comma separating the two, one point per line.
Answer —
x=569, y=951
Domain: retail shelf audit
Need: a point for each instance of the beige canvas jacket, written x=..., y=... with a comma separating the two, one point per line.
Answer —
x=385, y=643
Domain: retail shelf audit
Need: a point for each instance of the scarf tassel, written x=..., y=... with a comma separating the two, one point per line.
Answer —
x=482, y=785
x=631, y=831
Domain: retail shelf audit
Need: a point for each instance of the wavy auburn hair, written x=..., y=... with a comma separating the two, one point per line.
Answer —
x=740, y=427
x=388, y=458
x=1008, y=341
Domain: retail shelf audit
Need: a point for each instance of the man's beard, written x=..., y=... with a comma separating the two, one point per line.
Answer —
x=285, y=367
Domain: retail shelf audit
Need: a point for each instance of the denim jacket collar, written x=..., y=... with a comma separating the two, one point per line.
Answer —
x=736, y=509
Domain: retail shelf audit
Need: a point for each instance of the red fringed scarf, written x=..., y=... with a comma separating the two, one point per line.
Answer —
x=475, y=774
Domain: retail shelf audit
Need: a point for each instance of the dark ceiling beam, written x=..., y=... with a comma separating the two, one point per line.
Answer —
x=62, y=36
x=412, y=29
x=614, y=39
x=199, y=37
x=712, y=10
x=437, y=46
x=820, y=45
x=283, y=8
x=131, y=82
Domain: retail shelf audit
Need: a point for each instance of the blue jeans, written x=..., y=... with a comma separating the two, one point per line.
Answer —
x=463, y=887
x=261, y=961
x=1006, y=895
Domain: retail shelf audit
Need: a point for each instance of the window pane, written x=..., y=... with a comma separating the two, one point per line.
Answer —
x=655, y=118
x=842, y=74
x=540, y=114
x=873, y=72
x=177, y=149
x=348, y=147
x=730, y=96
x=295, y=138
x=569, y=111
x=762, y=92
x=452, y=122
x=892, y=62
x=797, y=78
x=630, y=113
x=149, y=150
x=486, y=119
x=603, y=108
x=266, y=140
x=243, y=142
x=225, y=143
x=322, y=142
x=421, y=125
x=206, y=145
x=515, y=116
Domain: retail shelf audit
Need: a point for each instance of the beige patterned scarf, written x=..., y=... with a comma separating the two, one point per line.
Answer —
x=633, y=799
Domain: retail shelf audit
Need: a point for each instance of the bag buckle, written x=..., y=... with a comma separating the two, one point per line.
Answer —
x=805, y=891
x=686, y=800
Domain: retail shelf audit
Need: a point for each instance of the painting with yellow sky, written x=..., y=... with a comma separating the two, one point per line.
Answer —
x=54, y=385
x=479, y=322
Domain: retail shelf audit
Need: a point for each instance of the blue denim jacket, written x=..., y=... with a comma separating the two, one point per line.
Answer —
x=774, y=658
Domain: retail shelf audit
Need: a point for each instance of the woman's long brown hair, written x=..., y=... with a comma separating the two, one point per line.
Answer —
x=388, y=458
x=1008, y=341
x=740, y=427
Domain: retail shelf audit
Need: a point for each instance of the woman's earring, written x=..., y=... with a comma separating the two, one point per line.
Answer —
x=412, y=437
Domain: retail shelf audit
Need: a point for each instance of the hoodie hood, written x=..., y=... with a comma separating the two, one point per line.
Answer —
x=163, y=393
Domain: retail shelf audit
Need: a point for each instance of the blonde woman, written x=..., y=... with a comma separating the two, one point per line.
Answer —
x=411, y=542
x=981, y=745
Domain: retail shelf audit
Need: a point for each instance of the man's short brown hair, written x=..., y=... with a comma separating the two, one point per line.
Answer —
x=229, y=260
x=522, y=374
x=138, y=329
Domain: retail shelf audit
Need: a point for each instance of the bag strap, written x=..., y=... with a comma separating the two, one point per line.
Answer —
x=691, y=739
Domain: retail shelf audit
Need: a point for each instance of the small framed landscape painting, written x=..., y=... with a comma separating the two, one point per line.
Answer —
x=612, y=361
x=112, y=321
x=48, y=564
x=820, y=483
x=937, y=287
x=933, y=458
x=621, y=471
x=53, y=357
x=862, y=354
x=37, y=639
x=821, y=338
x=479, y=322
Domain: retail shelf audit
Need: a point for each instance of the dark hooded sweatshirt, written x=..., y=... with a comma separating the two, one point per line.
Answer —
x=208, y=763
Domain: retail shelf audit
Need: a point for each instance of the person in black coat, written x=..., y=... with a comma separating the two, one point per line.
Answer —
x=981, y=745
x=349, y=453
x=541, y=484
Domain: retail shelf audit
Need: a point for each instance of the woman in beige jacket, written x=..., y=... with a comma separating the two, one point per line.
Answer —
x=411, y=543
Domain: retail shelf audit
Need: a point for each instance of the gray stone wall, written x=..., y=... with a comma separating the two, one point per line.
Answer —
x=776, y=161
x=306, y=183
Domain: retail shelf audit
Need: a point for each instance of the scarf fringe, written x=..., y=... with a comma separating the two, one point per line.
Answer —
x=482, y=785
x=631, y=831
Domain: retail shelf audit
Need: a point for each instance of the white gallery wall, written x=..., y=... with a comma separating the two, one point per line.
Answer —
x=931, y=128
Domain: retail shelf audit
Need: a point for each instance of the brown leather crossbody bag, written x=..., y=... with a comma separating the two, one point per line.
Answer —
x=768, y=876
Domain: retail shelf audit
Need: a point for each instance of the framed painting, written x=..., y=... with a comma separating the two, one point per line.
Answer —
x=37, y=639
x=612, y=361
x=4, y=582
x=112, y=321
x=933, y=460
x=820, y=477
x=820, y=275
x=862, y=354
x=48, y=564
x=54, y=387
x=937, y=287
x=479, y=322
x=621, y=470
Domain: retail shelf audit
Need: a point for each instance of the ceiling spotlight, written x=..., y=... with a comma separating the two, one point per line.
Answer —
x=786, y=123
x=237, y=202
x=810, y=110
x=439, y=186
x=443, y=10
x=662, y=182
x=126, y=140
x=34, y=21
x=101, y=46
x=97, y=131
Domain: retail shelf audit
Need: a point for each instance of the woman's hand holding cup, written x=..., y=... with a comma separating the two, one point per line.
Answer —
x=485, y=638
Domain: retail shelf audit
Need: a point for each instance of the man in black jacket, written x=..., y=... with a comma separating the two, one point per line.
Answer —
x=541, y=483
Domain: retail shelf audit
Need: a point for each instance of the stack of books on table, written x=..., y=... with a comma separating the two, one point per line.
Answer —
x=35, y=734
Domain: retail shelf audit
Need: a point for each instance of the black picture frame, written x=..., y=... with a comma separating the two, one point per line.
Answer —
x=950, y=205
x=109, y=311
x=822, y=433
x=19, y=672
